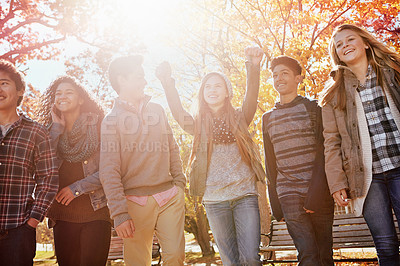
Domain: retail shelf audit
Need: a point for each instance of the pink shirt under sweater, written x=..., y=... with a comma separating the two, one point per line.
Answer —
x=161, y=198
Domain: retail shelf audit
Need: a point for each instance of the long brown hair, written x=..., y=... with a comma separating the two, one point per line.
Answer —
x=203, y=117
x=378, y=55
x=47, y=100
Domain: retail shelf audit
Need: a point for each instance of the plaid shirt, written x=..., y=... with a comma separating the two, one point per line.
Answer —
x=385, y=136
x=28, y=173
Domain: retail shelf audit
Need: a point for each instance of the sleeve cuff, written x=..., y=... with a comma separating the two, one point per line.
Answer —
x=37, y=215
x=57, y=128
x=119, y=219
x=76, y=189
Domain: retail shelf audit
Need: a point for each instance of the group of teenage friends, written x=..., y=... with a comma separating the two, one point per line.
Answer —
x=123, y=169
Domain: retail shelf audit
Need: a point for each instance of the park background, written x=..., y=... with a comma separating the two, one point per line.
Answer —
x=46, y=39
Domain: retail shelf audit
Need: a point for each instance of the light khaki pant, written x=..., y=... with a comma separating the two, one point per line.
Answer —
x=167, y=222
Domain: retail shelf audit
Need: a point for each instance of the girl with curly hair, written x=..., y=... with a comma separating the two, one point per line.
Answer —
x=82, y=228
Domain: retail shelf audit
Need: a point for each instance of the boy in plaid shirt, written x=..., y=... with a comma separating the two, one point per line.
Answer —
x=28, y=173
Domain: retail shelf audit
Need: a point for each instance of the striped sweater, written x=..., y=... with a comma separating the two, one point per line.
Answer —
x=294, y=156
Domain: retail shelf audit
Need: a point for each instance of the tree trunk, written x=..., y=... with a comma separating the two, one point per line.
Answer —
x=265, y=212
x=203, y=238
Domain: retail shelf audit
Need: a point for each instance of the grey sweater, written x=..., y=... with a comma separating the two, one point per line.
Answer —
x=139, y=155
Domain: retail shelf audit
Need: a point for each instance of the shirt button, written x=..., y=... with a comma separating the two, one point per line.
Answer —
x=85, y=162
x=0, y=163
x=77, y=193
x=2, y=144
x=92, y=192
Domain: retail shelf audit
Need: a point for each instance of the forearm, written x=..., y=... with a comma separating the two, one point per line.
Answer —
x=46, y=178
x=86, y=185
x=251, y=98
x=335, y=174
x=113, y=188
x=110, y=170
x=184, y=119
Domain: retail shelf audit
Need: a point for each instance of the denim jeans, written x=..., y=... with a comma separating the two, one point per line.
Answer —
x=235, y=225
x=311, y=232
x=18, y=246
x=82, y=243
x=382, y=197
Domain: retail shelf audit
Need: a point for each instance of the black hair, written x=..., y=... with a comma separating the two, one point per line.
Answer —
x=288, y=61
x=47, y=100
x=15, y=75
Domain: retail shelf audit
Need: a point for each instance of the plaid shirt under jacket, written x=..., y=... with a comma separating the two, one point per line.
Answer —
x=384, y=134
x=28, y=173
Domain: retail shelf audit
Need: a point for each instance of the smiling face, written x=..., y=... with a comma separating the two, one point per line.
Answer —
x=215, y=92
x=350, y=47
x=8, y=93
x=285, y=81
x=67, y=98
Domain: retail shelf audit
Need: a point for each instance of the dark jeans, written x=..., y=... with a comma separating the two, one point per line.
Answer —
x=18, y=246
x=83, y=244
x=382, y=197
x=311, y=233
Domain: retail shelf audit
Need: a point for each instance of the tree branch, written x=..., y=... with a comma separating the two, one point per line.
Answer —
x=28, y=21
x=26, y=50
x=10, y=15
x=332, y=20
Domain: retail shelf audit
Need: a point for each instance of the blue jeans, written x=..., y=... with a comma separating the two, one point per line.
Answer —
x=235, y=225
x=311, y=232
x=18, y=246
x=382, y=197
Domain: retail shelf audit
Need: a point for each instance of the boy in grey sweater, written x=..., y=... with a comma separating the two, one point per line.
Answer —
x=141, y=170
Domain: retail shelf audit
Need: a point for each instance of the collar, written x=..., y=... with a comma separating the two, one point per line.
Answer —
x=294, y=102
x=349, y=72
x=21, y=119
x=130, y=107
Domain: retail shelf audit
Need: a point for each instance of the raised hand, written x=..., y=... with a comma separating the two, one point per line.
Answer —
x=254, y=55
x=163, y=72
x=57, y=119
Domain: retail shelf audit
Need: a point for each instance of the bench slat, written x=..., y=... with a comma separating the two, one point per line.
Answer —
x=348, y=231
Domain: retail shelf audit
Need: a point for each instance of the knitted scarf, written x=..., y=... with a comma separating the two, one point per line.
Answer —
x=83, y=140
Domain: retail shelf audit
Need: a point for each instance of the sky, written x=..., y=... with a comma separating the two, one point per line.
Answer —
x=153, y=34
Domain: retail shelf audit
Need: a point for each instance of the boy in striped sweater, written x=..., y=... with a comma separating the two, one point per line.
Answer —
x=294, y=161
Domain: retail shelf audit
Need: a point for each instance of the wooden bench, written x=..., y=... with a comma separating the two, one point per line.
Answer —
x=116, y=249
x=349, y=231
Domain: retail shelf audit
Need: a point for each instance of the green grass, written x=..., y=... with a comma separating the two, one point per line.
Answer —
x=44, y=254
x=44, y=258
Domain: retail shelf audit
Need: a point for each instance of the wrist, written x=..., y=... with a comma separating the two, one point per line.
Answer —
x=168, y=82
x=33, y=222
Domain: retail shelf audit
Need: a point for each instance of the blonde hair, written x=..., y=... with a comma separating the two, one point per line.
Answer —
x=378, y=55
